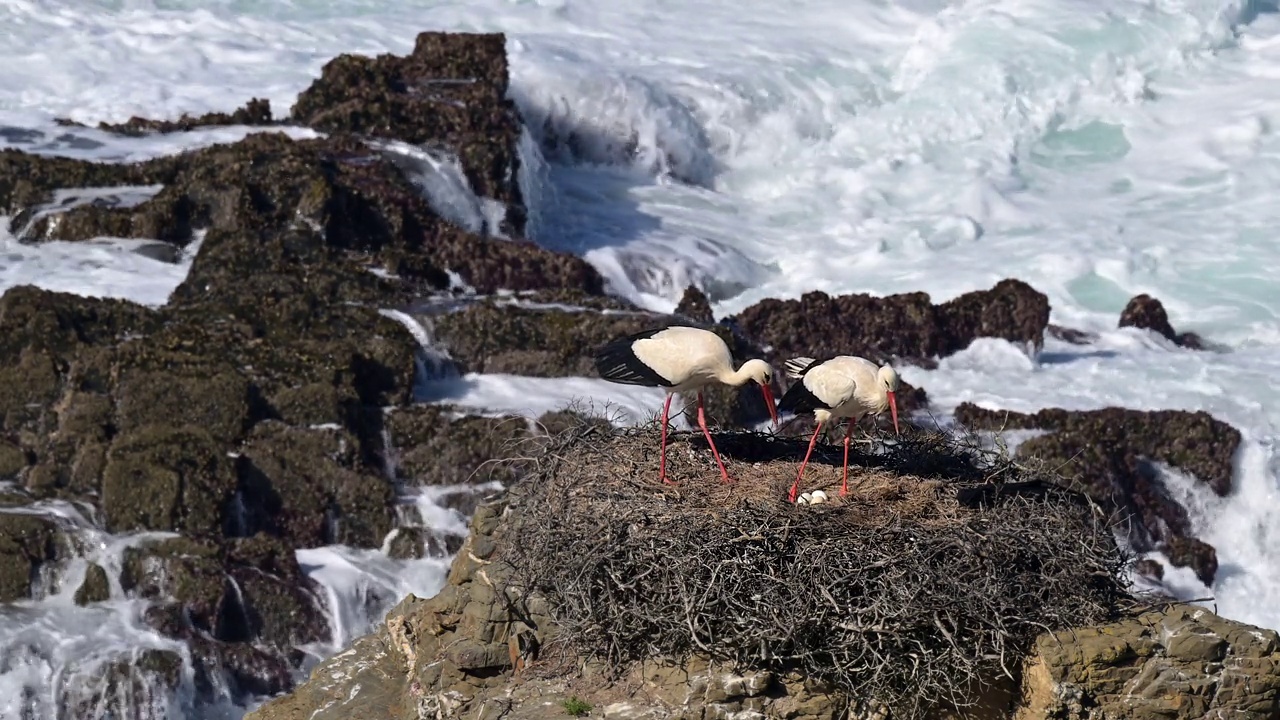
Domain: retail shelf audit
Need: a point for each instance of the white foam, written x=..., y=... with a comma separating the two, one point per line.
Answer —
x=440, y=176
x=53, y=651
x=101, y=267
x=360, y=585
x=502, y=394
x=1095, y=149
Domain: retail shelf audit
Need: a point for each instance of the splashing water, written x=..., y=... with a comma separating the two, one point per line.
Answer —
x=1095, y=149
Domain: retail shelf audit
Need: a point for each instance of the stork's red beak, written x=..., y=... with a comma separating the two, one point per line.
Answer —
x=893, y=410
x=768, y=400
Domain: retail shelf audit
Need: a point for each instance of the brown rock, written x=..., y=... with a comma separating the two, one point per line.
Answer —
x=1149, y=568
x=452, y=88
x=434, y=449
x=1176, y=663
x=12, y=460
x=96, y=586
x=310, y=487
x=166, y=478
x=905, y=326
x=1189, y=552
x=695, y=306
x=1108, y=452
x=27, y=544
x=1144, y=311
x=255, y=112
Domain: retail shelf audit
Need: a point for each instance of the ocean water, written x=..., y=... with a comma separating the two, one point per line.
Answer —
x=1094, y=148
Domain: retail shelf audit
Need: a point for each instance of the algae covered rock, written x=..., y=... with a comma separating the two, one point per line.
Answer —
x=96, y=587
x=439, y=448
x=309, y=486
x=140, y=684
x=28, y=543
x=245, y=590
x=907, y=326
x=167, y=478
x=184, y=571
x=452, y=88
x=533, y=339
x=1109, y=453
x=12, y=461
x=1148, y=313
x=256, y=111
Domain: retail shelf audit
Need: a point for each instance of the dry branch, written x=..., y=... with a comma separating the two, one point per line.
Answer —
x=899, y=593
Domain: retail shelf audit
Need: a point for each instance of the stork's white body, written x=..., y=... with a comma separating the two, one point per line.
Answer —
x=840, y=387
x=849, y=386
x=689, y=358
x=680, y=359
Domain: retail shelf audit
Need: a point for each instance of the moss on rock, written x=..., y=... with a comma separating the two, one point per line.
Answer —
x=12, y=461
x=309, y=486
x=1108, y=453
x=96, y=587
x=907, y=326
x=166, y=478
x=27, y=543
x=181, y=570
x=435, y=448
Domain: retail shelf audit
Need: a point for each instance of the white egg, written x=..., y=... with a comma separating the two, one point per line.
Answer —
x=804, y=499
x=818, y=497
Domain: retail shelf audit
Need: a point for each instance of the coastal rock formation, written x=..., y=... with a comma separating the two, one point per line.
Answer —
x=250, y=414
x=1178, y=661
x=907, y=327
x=1109, y=452
x=255, y=112
x=269, y=405
x=1148, y=313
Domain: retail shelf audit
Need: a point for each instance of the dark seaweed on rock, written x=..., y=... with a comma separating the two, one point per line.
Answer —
x=899, y=594
x=906, y=326
x=248, y=413
x=255, y=112
x=1144, y=311
x=1108, y=452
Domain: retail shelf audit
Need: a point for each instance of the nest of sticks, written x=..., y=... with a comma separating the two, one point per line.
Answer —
x=929, y=581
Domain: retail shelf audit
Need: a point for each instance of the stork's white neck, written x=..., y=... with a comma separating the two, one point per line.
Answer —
x=751, y=370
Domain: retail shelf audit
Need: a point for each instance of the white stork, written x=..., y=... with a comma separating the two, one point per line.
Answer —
x=839, y=387
x=681, y=359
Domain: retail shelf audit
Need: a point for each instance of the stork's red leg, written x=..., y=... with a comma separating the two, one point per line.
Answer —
x=795, y=487
x=662, y=464
x=848, y=431
x=702, y=423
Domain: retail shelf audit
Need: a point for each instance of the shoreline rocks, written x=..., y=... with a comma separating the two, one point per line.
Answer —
x=268, y=406
x=1148, y=313
x=1109, y=453
x=249, y=414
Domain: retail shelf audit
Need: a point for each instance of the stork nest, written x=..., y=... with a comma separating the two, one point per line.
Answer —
x=919, y=589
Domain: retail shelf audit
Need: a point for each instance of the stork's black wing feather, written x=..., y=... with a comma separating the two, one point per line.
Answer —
x=798, y=399
x=617, y=362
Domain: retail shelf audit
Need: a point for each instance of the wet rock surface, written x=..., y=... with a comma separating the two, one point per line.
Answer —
x=255, y=112
x=28, y=544
x=1148, y=313
x=906, y=327
x=1110, y=453
x=249, y=415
